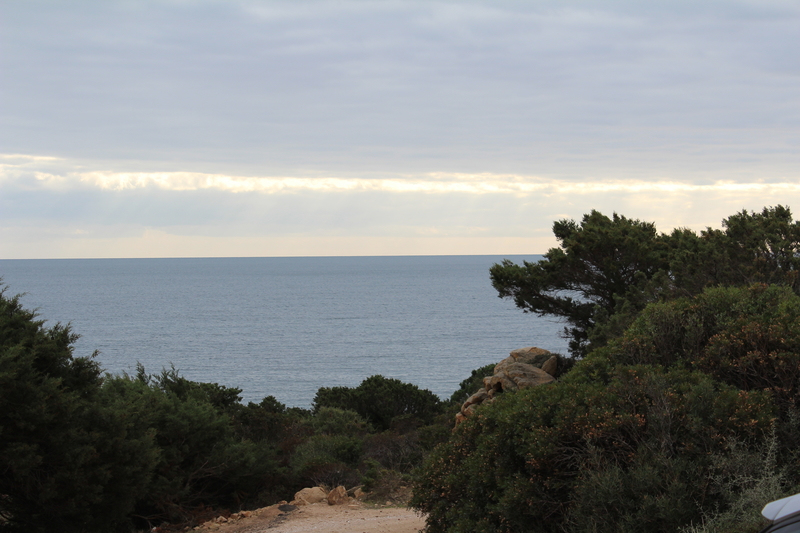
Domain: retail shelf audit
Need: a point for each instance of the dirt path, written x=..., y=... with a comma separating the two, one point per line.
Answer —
x=324, y=518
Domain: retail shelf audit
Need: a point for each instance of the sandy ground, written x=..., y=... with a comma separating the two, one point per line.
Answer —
x=324, y=518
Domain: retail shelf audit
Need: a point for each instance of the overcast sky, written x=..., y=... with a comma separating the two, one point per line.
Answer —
x=265, y=128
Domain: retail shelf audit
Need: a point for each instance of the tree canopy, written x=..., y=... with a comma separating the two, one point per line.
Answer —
x=613, y=267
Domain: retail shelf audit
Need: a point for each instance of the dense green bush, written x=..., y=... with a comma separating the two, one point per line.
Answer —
x=381, y=400
x=626, y=453
x=69, y=460
x=748, y=337
x=744, y=479
x=662, y=429
x=201, y=460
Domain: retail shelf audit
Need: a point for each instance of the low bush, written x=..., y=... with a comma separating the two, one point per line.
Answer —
x=381, y=400
x=328, y=460
x=629, y=453
x=201, y=460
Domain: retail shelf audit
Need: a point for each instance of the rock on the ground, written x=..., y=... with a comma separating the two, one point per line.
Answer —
x=338, y=496
x=309, y=495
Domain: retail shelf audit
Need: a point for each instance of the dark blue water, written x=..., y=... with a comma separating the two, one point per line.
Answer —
x=285, y=326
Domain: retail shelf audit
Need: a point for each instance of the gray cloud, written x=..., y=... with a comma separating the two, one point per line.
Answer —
x=572, y=92
x=277, y=86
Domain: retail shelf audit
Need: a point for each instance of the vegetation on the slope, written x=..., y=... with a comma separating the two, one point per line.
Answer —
x=85, y=452
x=682, y=416
x=68, y=460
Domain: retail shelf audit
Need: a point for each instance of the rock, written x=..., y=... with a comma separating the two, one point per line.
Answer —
x=287, y=508
x=523, y=368
x=551, y=365
x=523, y=375
x=499, y=382
x=359, y=494
x=338, y=496
x=531, y=355
x=309, y=495
x=476, y=398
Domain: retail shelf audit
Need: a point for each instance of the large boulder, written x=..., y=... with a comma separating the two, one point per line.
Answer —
x=309, y=495
x=338, y=496
x=523, y=368
x=513, y=377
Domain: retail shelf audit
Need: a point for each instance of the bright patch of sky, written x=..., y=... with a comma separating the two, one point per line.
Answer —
x=263, y=128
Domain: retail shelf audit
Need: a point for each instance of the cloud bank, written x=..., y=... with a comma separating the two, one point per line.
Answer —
x=360, y=128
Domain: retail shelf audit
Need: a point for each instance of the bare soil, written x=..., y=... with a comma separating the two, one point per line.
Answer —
x=355, y=517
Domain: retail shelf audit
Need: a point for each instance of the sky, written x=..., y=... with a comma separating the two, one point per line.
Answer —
x=182, y=128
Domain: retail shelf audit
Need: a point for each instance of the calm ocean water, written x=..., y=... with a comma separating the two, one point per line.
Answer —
x=286, y=326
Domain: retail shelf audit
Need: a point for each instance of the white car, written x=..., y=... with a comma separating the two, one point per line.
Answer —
x=784, y=515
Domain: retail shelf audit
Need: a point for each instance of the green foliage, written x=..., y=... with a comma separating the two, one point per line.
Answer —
x=266, y=421
x=70, y=461
x=688, y=420
x=332, y=421
x=328, y=460
x=754, y=248
x=624, y=454
x=80, y=452
x=745, y=480
x=201, y=461
x=607, y=270
x=381, y=400
x=598, y=261
x=748, y=337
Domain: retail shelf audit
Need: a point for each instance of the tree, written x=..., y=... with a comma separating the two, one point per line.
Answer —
x=598, y=261
x=606, y=270
x=381, y=400
x=68, y=462
x=753, y=248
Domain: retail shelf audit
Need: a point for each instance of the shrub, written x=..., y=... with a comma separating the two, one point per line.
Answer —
x=333, y=421
x=380, y=400
x=745, y=480
x=202, y=461
x=748, y=337
x=70, y=461
x=623, y=454
x=328, y=460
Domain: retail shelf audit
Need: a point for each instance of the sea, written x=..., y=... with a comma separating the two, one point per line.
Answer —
x=286, y=326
